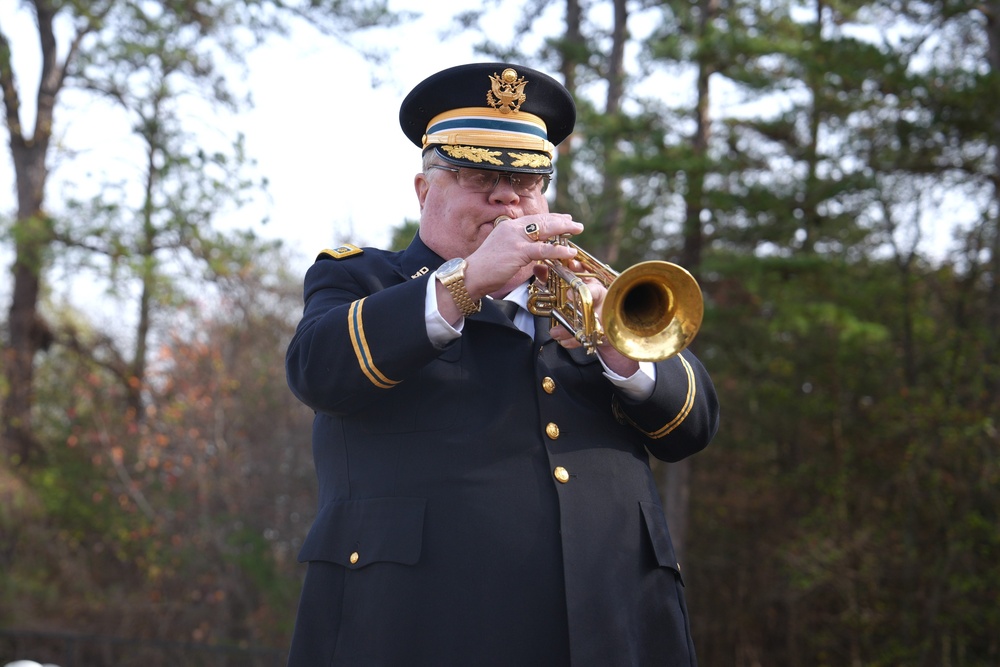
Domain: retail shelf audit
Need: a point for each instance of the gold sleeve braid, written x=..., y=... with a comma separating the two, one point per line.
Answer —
x=673, y=423
x=360, y=344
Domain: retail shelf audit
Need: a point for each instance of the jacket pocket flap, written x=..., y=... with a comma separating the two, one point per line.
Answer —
x=659, y=536
x=356, y=533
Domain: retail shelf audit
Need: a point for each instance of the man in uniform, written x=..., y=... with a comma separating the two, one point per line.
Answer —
x=485, y=496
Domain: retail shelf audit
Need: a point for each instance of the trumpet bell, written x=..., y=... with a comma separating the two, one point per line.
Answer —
x=652, y=311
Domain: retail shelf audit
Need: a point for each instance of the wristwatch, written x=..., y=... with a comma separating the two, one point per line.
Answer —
x=451, y=274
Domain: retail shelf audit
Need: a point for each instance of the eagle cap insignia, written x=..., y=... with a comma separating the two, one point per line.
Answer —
x=506, y=93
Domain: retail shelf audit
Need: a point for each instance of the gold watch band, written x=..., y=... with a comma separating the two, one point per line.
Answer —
x=461, y=296
x=453, y=279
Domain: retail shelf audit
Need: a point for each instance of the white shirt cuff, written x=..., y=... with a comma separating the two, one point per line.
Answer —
x=438, y=330
x=639, y=386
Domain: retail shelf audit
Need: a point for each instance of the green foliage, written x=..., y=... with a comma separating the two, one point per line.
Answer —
x=402, y=235
x=253, y=555
x=856, y=497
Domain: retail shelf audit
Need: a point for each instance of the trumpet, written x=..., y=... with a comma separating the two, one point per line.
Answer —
x=651, y=312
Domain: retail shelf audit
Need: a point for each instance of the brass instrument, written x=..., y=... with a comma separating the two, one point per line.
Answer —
x=652, y=310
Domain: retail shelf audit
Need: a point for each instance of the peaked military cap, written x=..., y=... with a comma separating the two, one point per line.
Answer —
x=490, y=116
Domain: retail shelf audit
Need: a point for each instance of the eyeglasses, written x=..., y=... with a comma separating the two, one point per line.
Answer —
x=484, y=180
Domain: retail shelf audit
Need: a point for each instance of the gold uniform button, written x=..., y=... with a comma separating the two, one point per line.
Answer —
x=354, y=558
x=548, y=385
x=552, y=430
x=561, y=474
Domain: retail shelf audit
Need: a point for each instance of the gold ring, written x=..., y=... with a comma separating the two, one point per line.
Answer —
x=531, y=229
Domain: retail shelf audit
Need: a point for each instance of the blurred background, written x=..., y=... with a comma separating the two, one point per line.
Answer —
x=830, y=172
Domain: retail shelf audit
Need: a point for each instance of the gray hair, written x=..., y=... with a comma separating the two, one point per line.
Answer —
x=429, y=158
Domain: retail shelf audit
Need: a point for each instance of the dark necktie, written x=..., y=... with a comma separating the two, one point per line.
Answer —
x=509, y=308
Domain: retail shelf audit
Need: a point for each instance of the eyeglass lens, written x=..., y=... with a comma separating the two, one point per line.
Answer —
x=484, y=180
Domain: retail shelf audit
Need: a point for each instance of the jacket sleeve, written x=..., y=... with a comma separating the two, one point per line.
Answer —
x=362, y=333
x=681, y=417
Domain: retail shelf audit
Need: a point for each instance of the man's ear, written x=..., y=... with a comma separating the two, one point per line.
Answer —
x=421, y=186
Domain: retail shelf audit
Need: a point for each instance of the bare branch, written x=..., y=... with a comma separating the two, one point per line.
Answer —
x=8, y=85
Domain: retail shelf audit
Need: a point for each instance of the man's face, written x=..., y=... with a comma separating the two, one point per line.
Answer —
x=454, y=221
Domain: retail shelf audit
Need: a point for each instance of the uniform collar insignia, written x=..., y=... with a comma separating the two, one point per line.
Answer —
x=417, y=259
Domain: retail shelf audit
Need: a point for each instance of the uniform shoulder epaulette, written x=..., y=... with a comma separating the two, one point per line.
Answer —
x=341, y=252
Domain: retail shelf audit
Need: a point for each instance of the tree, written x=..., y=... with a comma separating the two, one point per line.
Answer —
x=109, y=38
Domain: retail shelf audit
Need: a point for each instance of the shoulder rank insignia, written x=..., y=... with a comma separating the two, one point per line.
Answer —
x=342, y=251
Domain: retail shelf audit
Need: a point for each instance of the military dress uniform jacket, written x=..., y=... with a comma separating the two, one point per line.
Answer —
x=489, y=503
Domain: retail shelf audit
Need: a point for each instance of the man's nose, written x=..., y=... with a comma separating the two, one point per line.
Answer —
x=503, y=191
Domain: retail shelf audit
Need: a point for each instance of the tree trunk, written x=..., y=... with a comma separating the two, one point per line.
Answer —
x=678, y=475
x=563, y=200
x=677, y=502
x=612, y=222
x=992, y=12
x=33, y=235
x=27, y=332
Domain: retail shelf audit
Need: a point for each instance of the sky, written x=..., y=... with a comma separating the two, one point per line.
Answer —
x=329, y=143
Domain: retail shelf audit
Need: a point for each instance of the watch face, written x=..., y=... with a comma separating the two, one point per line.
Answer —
x=451, y=266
